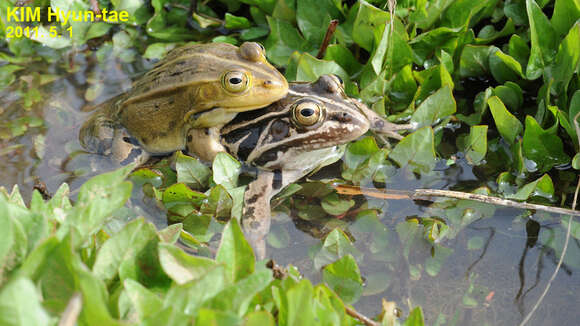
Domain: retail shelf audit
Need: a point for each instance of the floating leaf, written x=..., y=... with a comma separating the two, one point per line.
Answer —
x=507, y=124
x=435, y=107
x=343, y=276
x=416, y=150
x=543, y=146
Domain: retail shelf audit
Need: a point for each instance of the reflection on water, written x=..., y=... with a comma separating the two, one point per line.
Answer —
x=489, y=270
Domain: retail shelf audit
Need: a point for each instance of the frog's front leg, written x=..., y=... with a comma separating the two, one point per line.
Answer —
x=256, y=215
x=379, y=125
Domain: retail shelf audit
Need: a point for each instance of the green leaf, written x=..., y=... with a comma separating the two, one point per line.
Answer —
x=259, y=318
x=300, y=304
x=343, y=276
x=182, y=267
x=566, y=13
x=235, y=22
x=543, y=38
x=507, y=124
x=123, y=248
x=97, y=30
x=313, y=18
x=98, y=198
x=504, y=68
x=216, y=317
x=219, y=203
x=542, y=187
x=576, y=161
x=359, y=151
x=367, y=19
x=543, y=146
x=20, y=304
x=145, y=302
x=191, y=171
x=334, y=205
x=416, y=150
x=415, y=318
x=435, y=107
x=476, y=144
x=309, y=68
x=568, y=56
x=342, y=55
x=511, y=95
x=235, y=252
x=226, y=170
x=236, y=297
x=474, y=60
x=284, y=39
x=179, y=192
x=335, y=245
x=157, y=50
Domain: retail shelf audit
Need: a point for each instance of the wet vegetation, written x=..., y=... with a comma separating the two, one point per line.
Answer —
x=493, y=87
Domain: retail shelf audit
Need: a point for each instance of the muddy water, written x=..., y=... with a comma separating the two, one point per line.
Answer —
x=490, y=273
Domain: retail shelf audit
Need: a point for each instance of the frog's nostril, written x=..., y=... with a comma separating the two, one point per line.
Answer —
x=272, y=84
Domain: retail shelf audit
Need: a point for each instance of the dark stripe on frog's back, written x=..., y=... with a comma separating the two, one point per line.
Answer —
x=250, y=124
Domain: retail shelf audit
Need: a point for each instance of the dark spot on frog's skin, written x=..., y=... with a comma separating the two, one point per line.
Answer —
x=156, y=106
x=249, y=211
x=253, y=199
x=277, y=180
x=189, y=138
x=171, y=125
x=279, y=130
x=206, y=131
x=131, y=140
x=255, y=225
x=379, y=124
x=341, y=117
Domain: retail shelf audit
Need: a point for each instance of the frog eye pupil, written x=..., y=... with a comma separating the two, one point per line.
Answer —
x=235, y=80
x=307, y=112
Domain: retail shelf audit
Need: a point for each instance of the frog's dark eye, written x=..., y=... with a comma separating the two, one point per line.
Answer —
x=339, y=79
x=236, y=81
x=307, y=113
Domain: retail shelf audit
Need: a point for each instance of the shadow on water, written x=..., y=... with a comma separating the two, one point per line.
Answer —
x=489, y=271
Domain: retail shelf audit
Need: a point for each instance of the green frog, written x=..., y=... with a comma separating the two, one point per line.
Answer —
x=286, y=141
x=194, y=86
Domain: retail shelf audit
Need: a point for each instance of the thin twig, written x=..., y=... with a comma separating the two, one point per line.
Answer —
x=423, y=193
x=329, y=32
x=529, y=315
x=362, y=318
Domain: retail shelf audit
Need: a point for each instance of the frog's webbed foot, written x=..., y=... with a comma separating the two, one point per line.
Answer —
x=256, y=214
x=204, y=143
x=126, y=149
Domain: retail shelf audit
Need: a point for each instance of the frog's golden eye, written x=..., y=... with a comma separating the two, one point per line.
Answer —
x=307, y=113
x=236, y=81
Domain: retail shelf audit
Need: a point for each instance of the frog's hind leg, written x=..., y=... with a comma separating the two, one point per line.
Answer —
x=96, y=134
